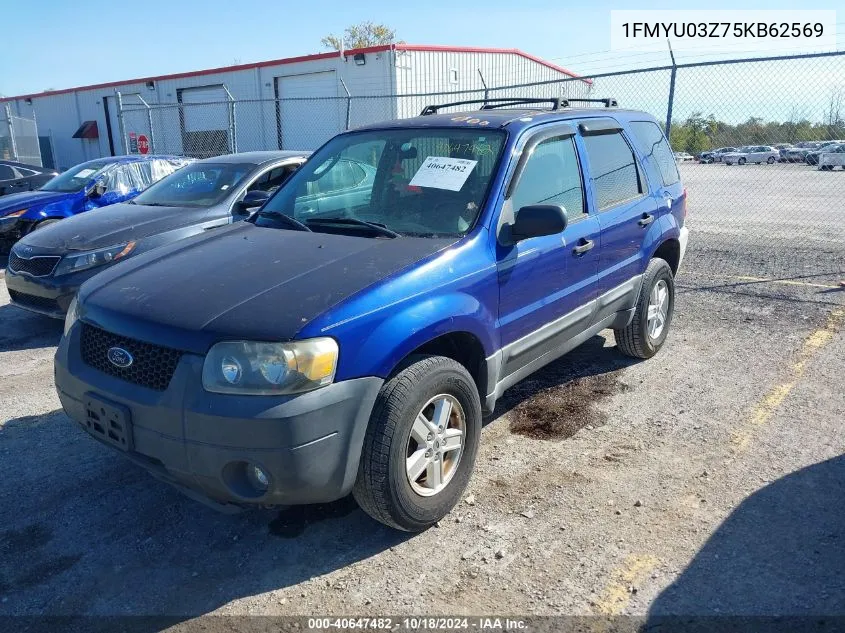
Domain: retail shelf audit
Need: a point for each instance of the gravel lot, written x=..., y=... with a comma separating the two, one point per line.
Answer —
x=707, y=480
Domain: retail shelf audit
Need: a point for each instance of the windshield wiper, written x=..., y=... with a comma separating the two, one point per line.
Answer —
x=381, y=229
x=286, y=218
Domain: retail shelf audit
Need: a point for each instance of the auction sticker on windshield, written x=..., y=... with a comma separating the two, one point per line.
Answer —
x=84, y=173
x=441, y=172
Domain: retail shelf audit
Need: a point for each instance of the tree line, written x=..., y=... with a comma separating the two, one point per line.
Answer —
x=699, y=133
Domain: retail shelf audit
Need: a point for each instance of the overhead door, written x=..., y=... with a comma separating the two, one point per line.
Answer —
x=310, y=109
x=205, y=121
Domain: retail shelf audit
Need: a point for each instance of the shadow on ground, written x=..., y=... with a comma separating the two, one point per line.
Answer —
x=23, y=330
x=85, y=532
x=780, y=553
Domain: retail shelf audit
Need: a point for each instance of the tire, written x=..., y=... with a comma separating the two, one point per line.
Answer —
x=741, y=161
x=771, y=160
x=383, y=487
x=635, y=339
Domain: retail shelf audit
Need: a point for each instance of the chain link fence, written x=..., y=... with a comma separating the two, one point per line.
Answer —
x=19, y=138
x=771, y=208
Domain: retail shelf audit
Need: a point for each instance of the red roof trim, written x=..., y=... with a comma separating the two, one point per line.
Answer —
x=474, y=49
x=301, y=58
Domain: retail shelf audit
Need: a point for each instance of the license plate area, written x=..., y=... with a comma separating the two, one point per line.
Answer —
x=108, y=422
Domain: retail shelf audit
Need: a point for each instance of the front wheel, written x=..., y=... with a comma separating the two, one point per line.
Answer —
x=741, y=161
x=771, y=160
x=421, y=443
x=645, y=334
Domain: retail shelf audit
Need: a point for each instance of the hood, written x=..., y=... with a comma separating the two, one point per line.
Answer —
x=110, y=225
x=244, y=282
x=27, y=199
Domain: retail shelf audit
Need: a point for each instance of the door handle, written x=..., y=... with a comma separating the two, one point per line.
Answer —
x=585, y=246
x=647, y=219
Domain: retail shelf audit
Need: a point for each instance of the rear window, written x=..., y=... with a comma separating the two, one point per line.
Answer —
x=656, y=149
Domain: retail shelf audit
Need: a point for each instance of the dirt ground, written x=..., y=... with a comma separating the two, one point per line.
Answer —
x=705, y=481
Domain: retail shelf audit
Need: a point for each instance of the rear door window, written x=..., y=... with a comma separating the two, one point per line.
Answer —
x=614, y=171
x=654, y=146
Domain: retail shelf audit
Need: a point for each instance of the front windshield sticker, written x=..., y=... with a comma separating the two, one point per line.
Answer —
x=84, y=173
x=441, y=172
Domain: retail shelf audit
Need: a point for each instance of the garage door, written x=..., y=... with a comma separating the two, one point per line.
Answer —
x=310, y=109
x=205, y=121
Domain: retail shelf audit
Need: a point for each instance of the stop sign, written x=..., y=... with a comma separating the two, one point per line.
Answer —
x=143, y=144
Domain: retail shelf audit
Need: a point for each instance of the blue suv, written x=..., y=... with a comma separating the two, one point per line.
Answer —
x=317, y=350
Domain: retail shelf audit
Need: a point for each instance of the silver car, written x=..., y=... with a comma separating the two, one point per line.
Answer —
x=752, y=154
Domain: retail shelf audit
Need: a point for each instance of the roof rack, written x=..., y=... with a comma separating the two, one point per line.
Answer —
x=557, y=103
x=609, y=102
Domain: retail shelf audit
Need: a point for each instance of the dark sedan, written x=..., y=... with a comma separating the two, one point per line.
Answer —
x=46, y=267
x=17, y=177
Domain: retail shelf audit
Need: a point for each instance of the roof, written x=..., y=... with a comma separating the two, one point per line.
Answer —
x=256, y=157
x=513, y=118
x=133, y=158
x=305, y=58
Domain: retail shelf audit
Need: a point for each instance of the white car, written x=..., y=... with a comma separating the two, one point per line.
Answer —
x=752, y=154
x=683, y=156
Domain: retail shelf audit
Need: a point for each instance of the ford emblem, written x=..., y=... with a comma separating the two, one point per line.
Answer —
x=27, y=250
x=119, y=357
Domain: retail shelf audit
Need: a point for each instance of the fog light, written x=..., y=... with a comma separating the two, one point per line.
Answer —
x=258, y=479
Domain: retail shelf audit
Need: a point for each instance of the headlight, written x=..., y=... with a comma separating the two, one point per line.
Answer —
x=247, y=367
x=71, y=316
x=74, y=263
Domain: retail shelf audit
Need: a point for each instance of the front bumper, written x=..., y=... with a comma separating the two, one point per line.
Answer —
x=50, y=296
x=309, y=444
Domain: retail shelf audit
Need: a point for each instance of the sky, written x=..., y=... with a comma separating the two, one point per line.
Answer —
x=67, y=44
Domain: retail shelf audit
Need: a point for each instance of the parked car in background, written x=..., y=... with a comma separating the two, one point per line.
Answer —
x=316, y=350
x=91, y=185
x=17, y=177
x=832, y=158
x=683, y=157
x=798, y=152
x=715, y=155
x=812, y=157
x=752, y=154
x=47, y=267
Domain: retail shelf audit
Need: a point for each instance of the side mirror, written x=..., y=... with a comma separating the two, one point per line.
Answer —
x=252, y=200
x=536, y=220
x=97, y=190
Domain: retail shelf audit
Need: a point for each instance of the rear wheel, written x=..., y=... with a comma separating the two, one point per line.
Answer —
x=771, y=160
x=420, y=446
x=645, y=334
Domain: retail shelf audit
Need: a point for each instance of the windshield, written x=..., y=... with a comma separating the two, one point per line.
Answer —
x=196, y=185
x=420, y=182
x=76, y=178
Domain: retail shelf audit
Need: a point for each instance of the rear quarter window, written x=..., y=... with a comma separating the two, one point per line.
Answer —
x=654, y=146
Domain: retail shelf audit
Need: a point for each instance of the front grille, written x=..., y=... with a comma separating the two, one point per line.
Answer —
x=38, y=266
x=42, y=304
x=152, y=366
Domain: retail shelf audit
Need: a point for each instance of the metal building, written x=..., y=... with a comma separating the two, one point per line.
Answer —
x=292, y=103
